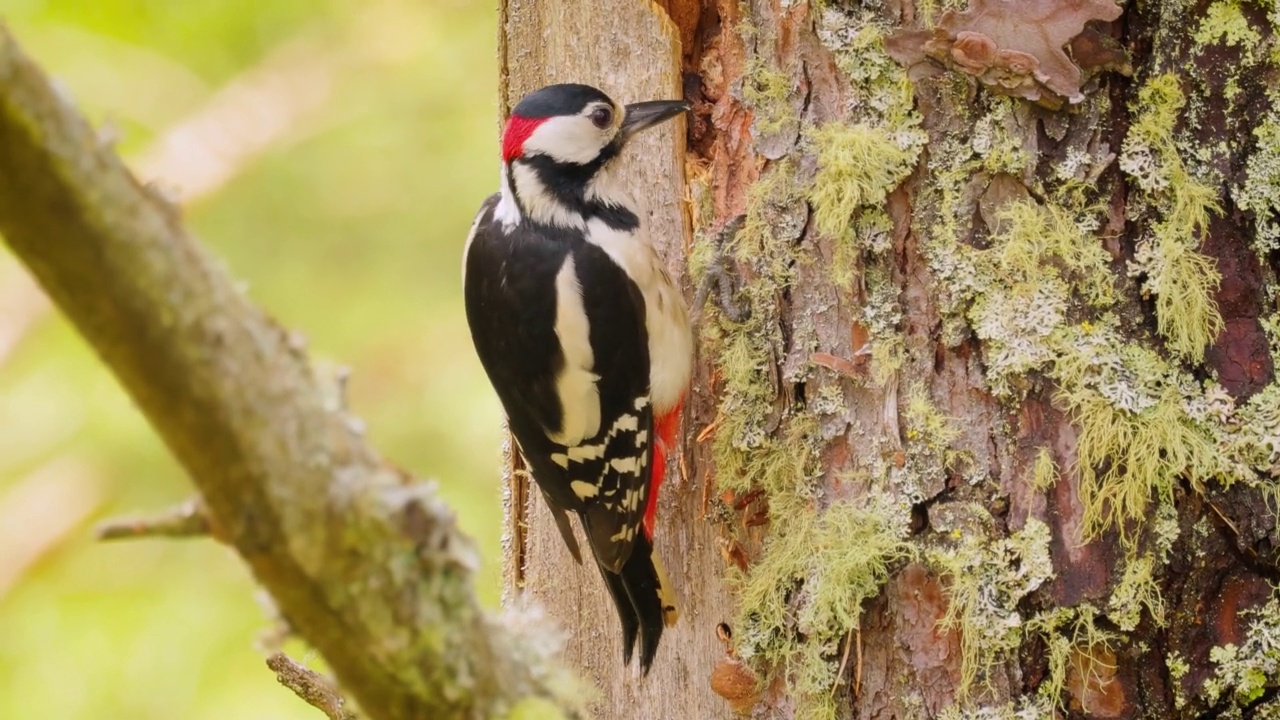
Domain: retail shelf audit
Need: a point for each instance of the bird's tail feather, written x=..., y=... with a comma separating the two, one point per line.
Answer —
x=644, y=600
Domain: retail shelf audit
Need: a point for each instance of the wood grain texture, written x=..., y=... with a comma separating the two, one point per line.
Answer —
x=631, y=50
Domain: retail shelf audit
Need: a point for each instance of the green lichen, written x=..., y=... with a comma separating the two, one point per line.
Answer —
x=1041, y=260
x=1072, y=638
x=985, y=582
x=1245, y=672
x=1136, y=438
x=1023, y=708
x=804, y=596
x=857, y=165
x=1225, y=22
x=1181, y=278
x=1044, y=474
x=882, y=316
x=1259, y=194
x=998, y=140
x=767, y=91
x=1136, y=591
x=745, y=454
x=1178, y=669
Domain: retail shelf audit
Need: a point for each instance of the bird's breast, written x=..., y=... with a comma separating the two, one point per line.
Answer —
x=666, y=317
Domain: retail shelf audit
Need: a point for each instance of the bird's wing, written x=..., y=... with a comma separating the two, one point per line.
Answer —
x=571, y=368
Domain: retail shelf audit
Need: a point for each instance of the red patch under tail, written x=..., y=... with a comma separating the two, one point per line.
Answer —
x=665, y=427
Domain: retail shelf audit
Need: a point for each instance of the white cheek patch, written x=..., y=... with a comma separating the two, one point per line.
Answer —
x=568, y=139
x=576, y=383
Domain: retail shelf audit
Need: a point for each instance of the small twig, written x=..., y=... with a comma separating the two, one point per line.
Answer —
x=857, y=668
x=844, y=661
x=188, y=519
x=317, y=690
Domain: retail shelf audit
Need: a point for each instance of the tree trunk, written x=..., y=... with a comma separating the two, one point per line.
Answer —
x=985, y=423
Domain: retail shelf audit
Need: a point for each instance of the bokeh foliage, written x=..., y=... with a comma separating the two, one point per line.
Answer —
x=347, y=226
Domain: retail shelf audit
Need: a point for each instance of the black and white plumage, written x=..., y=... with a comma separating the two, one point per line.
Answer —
x=583, y=335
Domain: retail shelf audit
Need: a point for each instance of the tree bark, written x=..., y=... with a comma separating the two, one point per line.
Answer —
x=364, y=562
x=631, y=51
x=997, y=438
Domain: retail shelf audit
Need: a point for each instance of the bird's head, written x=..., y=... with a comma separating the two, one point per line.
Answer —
x=577, y=125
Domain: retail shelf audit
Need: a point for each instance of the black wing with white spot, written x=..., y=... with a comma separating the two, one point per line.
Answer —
x=514, y=288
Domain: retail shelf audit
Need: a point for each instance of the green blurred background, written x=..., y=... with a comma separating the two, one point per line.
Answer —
x=332, y=152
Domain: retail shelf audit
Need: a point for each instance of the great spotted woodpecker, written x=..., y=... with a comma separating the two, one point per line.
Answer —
x=583, y=335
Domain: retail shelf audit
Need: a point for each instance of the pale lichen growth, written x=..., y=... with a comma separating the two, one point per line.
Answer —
x=1178, y=669
x=766, y=90
x=1073, y=638
x=1244, y=672
x=1044, y=474
x=1136, y=438
x=1136, y=591
x=985, y=582
x=1181, y=278
x=998, y=140
x=1224, y=22
x=1260, y=192
x=1041, y=259
x=928, y=436
x=805, y=594
x=1024, y=708
x=857, y=165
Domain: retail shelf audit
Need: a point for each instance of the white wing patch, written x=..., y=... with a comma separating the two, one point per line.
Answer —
x=584, y=489
x=576, y=384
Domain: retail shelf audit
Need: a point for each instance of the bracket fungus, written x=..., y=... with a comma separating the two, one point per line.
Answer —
x=1016, y=47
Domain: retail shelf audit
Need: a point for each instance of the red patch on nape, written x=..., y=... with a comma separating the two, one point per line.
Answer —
x=665, y=427
x=517, y=131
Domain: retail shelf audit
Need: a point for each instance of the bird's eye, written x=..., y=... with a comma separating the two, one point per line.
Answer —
x=601, y=117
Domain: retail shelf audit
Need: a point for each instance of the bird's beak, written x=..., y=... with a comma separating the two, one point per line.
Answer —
x=644, y=115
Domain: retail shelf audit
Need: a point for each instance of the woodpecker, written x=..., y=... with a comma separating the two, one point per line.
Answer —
x=583, y=335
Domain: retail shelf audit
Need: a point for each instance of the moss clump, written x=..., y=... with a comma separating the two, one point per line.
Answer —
x=985, y=582
x=857, y=165
x=1175, y=272
x=804, y=596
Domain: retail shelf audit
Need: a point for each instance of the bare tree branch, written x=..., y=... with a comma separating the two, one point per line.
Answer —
x=366, y=563
x=316, y=689
x=188, y=519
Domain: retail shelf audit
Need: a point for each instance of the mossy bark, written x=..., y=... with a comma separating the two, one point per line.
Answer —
x=1035, y=335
